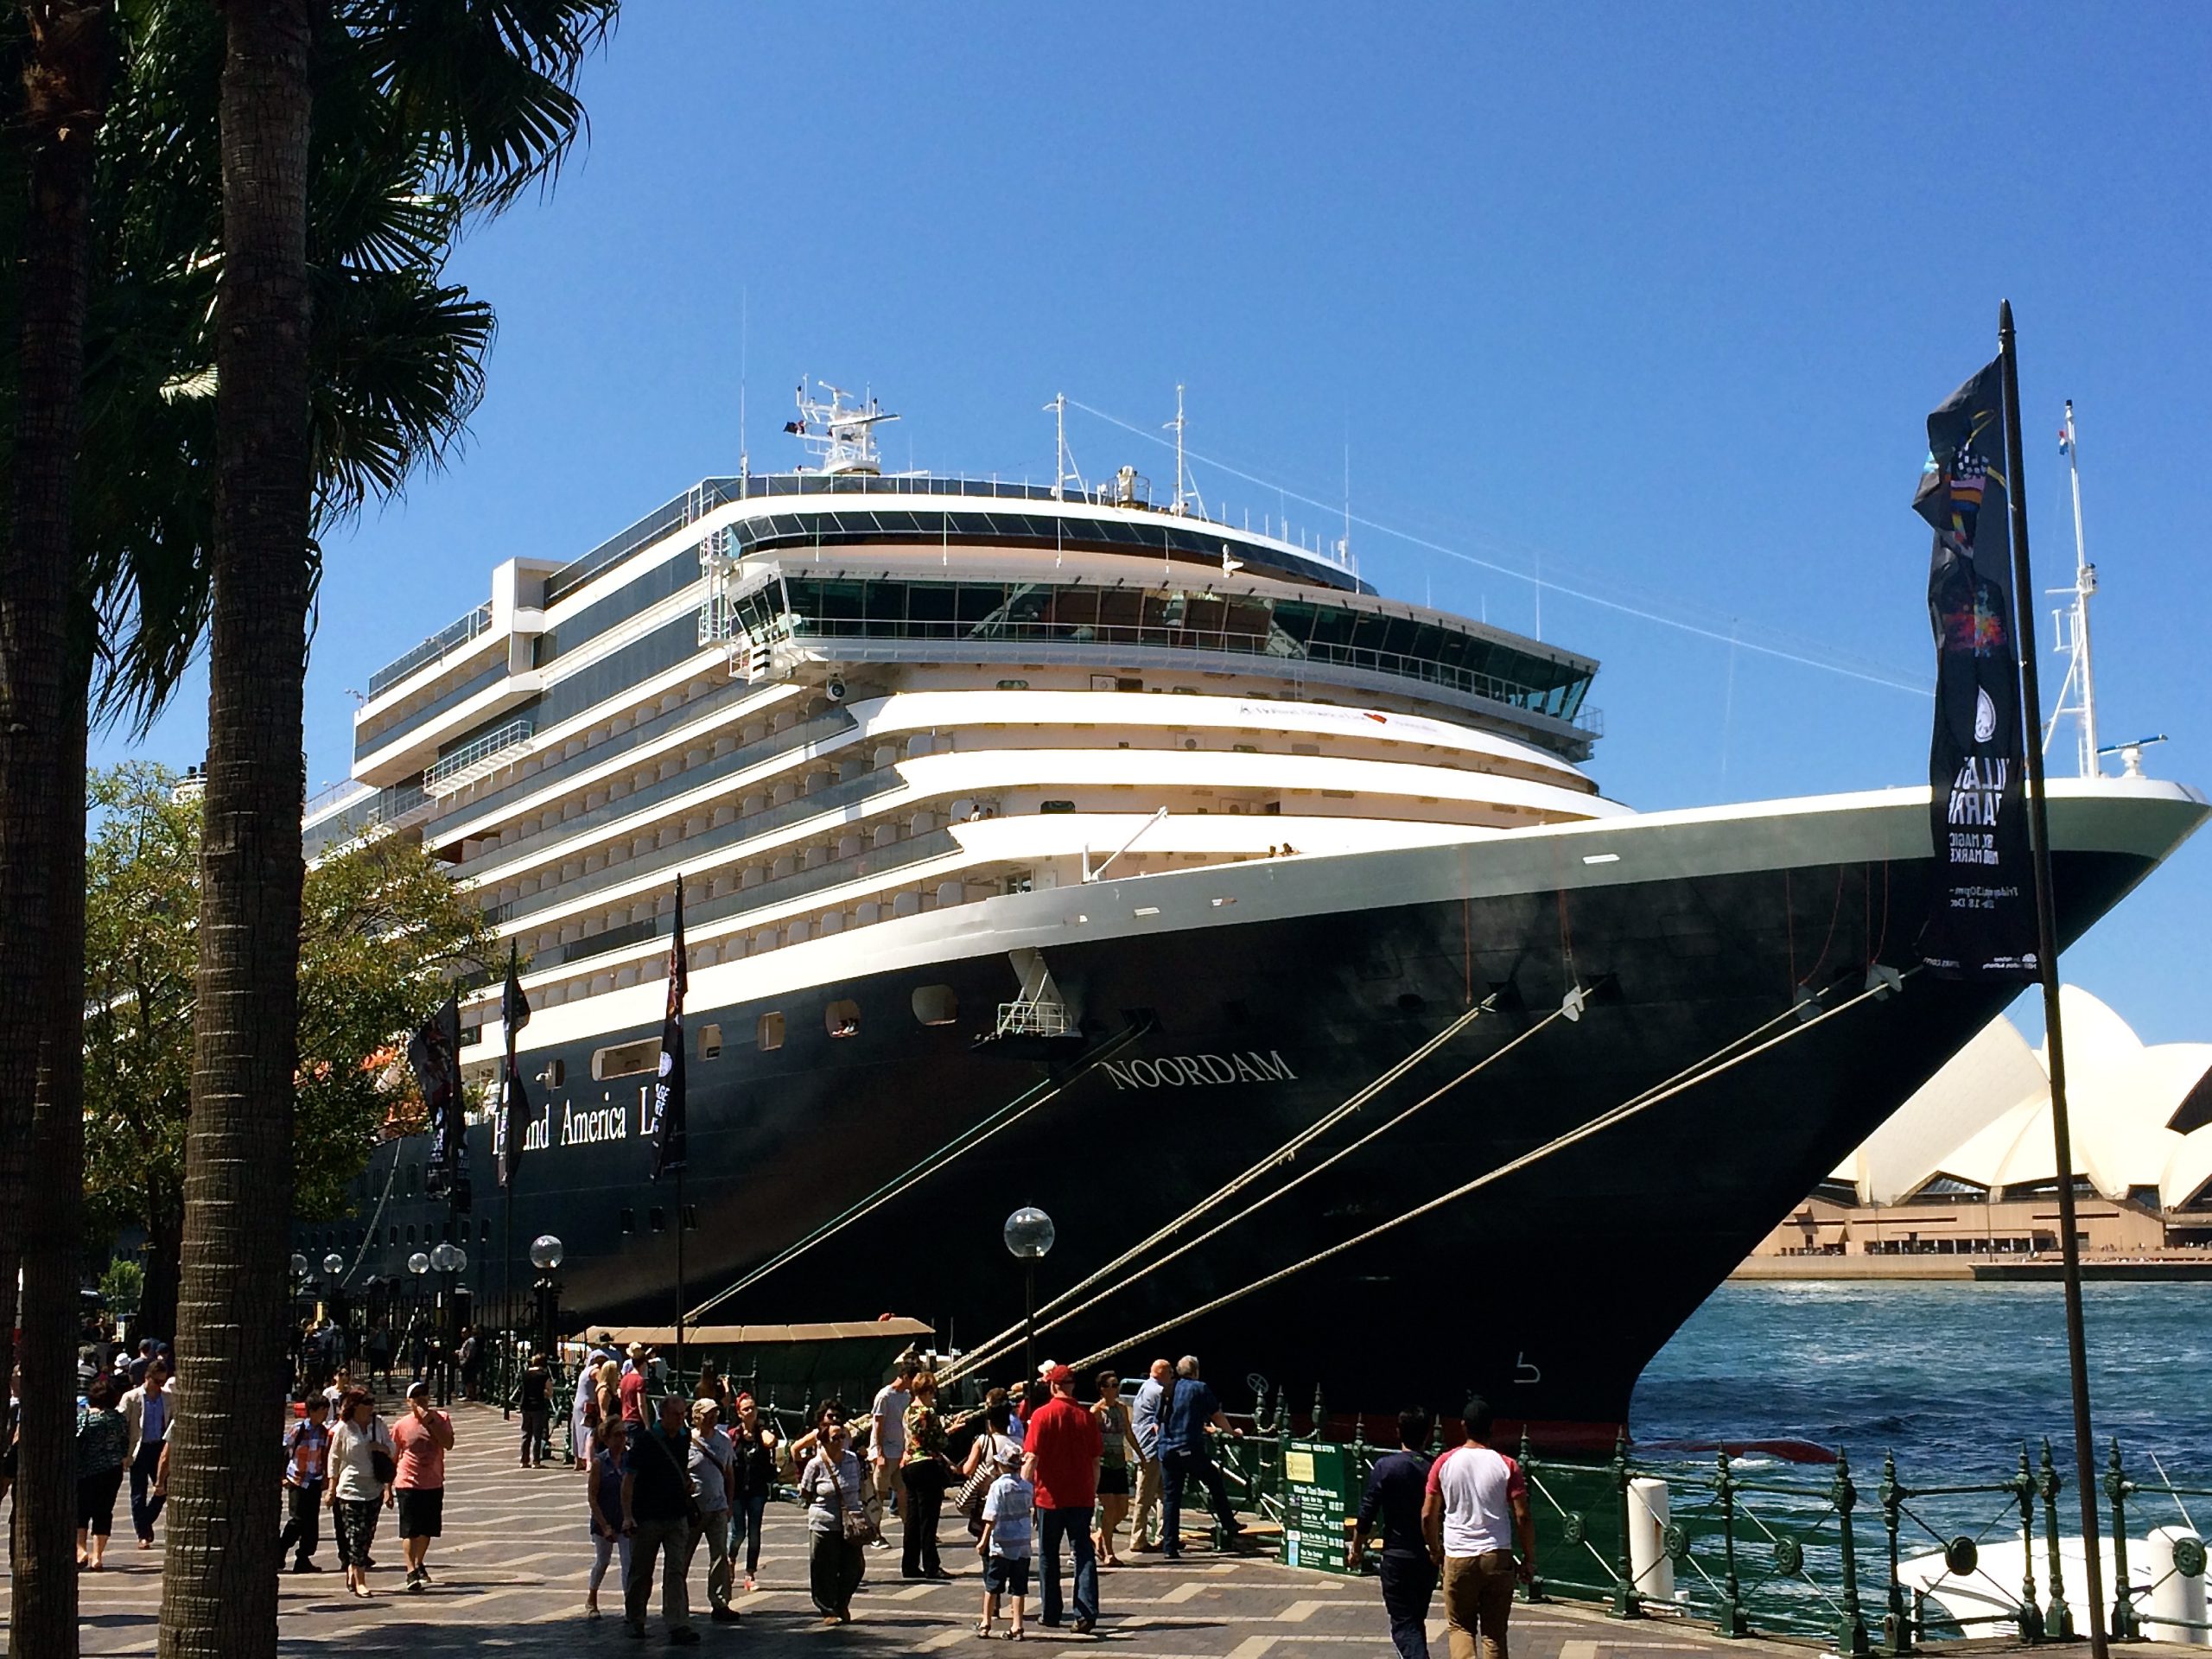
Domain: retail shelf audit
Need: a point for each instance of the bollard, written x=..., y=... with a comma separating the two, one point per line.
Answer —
x=1649, y=1512
x=2058, y=1618
x=2175, y=1595
x=1626, y=1603
x=1896, y=1624
x=2125, y=1626
x=2024, y=1488
x=1851, y=1633
x=1733, y=1620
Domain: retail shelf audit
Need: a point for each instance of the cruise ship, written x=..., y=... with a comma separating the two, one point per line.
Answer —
x=1060, y=846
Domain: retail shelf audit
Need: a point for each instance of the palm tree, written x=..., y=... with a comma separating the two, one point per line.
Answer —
x=481, y=91
x=62, y=50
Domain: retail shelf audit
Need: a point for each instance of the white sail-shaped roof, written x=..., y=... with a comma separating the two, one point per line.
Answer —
x=1985, y=1118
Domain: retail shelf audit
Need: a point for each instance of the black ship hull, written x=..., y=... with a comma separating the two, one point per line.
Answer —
x=1548, y=1290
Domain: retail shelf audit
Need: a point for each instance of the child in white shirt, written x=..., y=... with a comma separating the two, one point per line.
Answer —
x=1008, y=1525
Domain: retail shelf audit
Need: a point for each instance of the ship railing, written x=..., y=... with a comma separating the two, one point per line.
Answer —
x=450, y=638
x=2171, y=1604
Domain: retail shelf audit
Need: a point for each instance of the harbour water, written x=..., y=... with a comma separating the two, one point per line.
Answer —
x=1949, y=1376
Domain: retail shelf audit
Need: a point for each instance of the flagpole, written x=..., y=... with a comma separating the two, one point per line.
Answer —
x=680, y=1275
x=507, y=1224
x=2077, y=1361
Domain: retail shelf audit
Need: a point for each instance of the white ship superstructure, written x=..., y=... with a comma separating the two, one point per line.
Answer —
x=835, y=700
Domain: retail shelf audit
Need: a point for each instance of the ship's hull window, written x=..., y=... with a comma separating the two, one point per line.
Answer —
x=625, y=1059
x=769, y=1032
x=842, y=1018
x=936, y=1004
x=710, y=1042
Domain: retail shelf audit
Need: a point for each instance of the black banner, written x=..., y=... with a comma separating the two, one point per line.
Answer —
x=670, y=1134
x=433, y=1052
x=507, y=1127
x=1981, y=919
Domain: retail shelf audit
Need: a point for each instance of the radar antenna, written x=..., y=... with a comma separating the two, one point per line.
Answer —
x=2077, y=695
x=842, y=436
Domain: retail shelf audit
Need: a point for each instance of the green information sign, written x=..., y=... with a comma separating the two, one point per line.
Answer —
x=1321, y=1484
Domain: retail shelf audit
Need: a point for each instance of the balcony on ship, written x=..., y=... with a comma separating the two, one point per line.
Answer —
x=449, y=685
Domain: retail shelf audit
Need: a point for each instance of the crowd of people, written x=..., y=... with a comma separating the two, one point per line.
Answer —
x=1045, y=1483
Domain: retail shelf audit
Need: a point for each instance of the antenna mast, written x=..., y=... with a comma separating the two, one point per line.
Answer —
x=1183, y=494
x=2077, y=695
x=1063, y=464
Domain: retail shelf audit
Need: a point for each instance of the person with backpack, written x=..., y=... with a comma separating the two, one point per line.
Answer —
x=307, y=1460
x=361, y=1454
x=658, y=1511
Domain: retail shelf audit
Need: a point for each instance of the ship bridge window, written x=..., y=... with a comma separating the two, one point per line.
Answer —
x=625, y=1059
x=710, y=1042
x=842, y=1018
x=936, y=1004
x=1056, y=806
x=768, y=1032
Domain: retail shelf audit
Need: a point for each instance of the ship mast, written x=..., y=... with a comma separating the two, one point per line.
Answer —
x=2077, y=695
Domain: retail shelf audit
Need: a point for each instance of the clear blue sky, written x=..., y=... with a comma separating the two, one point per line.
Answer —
x=1653, y=300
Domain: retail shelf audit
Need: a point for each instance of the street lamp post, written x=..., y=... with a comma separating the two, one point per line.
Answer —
x=419, y=1265
x=449, y=1258
x=334, y=1272
x=545, y=1252
x=1029, y=1233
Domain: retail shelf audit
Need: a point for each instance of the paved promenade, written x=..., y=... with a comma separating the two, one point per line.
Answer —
x=510, y=1574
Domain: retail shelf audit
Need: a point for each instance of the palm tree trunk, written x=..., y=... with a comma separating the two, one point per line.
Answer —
x=219, y=1590
x=64, y=83
x=42, y=1618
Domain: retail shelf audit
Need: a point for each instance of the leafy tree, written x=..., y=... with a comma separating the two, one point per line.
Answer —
x=383, y=930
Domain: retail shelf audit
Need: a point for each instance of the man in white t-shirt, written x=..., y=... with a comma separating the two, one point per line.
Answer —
x=888, y=1441
x=1474, y=1510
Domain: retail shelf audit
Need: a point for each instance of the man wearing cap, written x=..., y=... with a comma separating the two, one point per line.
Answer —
x=632, y=1389
x=420, y=1441
x=1060, y=1454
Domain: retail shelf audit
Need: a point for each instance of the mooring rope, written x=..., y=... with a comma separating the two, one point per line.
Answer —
x=982, y=1356
x=992, y=1347
x=966, y=1141
x=1703, y=1072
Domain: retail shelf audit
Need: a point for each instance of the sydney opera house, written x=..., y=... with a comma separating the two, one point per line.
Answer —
x=1966, y=1166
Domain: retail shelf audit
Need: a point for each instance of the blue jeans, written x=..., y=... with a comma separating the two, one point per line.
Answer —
x=744, y=1517
x=145, y=1505
x=1073, y=1525
x=1408, y=1587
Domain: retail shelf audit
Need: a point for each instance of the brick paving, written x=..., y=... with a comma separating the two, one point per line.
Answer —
x=511, y=1568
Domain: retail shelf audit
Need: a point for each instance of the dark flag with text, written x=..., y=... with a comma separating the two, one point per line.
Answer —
x=670, y=1134
x=508, y=1127
x=434, y=1052
x=1981, y=919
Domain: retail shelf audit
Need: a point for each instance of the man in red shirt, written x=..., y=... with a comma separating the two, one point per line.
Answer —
x=632, y=1388
x=1060, y=1453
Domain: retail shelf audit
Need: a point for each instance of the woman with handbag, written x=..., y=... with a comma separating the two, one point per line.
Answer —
x=838, y=1528
x=925, y=1471
x=995, y=1445
x=365, y=1465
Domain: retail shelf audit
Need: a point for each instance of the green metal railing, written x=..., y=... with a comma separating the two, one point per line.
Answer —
x=1755, y=1548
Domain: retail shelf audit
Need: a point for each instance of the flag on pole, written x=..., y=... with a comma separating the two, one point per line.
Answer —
x=1981, y=920
x=670, y=1134
x=514, y=1101
x=433, y=1052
